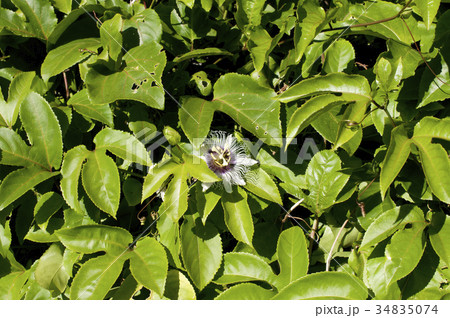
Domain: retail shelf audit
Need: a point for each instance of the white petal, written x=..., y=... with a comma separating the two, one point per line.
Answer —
x=234, y=177
x=238, y=180
x=245, y=161
x=227, y=185
x=206, y=185
x=228, y=142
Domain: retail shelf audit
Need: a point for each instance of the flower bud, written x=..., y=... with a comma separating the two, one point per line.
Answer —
x=172, y=136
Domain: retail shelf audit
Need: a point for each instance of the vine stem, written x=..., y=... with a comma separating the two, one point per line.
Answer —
x=373, y=22
x=132, y=173
x=66, y=86
x=330, y=254
x=420, y=53
x=385, y=110
x=312, y=235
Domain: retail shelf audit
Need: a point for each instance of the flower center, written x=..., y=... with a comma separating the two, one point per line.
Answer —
x=221, y=157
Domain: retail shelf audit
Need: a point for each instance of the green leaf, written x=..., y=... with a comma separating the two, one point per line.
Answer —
x=393, y=29
x=132, y=191
x=275, y=168
x=181, y=26
x=14, y=23
x=333, y=126
x=396, y=156
x=101, y=181
x=356, y=87
x=13, y=150
x=383, y=73
x=244, y=267
x=244, y=100
x=95, y=238
x=427, y=10
x=18, y=90
x=246, y=291
x=436, y=165
x=389, y=222
x=178, y=286
x=206, y=201
x=207, y=4
x=310, y=16
x=18, y=182
x=433, y=128
x=338, y=56
x=442, y=28
x=202, y=83
x=5, y=238
x=47, y=205
x=292, y=255
x=111, y=37
x=402, y=254
x=196, y=115
x=50, y=272
x=402, y=53
x=149, y=265
x=440, y=235
x=140, y=80
x=325, y=285
x=70, y=171
x=176, y=196
x=259, y=45
x=198, y=168
x=96, y=277
x=123, y=145
x=38, y=235
x=324, y=181
x=127, y=289
x=262, y=185
x=249, y=12
x=82, y=105
x=354, y=113
x=64, y=6
x=309, y=111
x=201, y=249
x=432, y=89
x=43, y=131
x=250, y=105
x=147, y=24
x=405, y=250
x=238, y=217
x=69, y=20
x=169, y=236
x=156, y=177
x=211, y=51
x=40, y=15
x=67, y=55
x=11, y=285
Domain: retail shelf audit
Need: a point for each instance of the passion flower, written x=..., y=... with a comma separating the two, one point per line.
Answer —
x=227, y=158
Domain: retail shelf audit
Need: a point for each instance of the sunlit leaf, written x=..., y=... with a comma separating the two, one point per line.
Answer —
x=201, y=249
x=325, y=285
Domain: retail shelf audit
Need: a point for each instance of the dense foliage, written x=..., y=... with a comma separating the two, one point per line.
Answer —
x=104, y=107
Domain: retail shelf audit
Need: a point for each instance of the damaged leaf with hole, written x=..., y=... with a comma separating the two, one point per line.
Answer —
x=139, y=79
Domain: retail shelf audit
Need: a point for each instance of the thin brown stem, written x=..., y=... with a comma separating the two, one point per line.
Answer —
x=420, y=52
x=330, y=254
x=66, y=86
x=385, y=110
x=312, y=235
x=373, y=22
